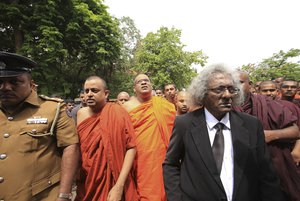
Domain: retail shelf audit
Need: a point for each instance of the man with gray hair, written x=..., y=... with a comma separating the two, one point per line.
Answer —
x=216, y=153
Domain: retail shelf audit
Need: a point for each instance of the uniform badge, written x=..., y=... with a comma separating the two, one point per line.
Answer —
x=37, y=120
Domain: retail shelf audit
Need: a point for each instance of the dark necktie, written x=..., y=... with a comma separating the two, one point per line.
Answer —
x=218, y=146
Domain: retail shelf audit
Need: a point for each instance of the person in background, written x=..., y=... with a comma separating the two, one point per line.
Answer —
x=298, y=90
x=39, y=144
x=170, y=92
x=288, y=91
x=122, y=97
x=77, y=107
x=69, y=106
x=182, y=102
x=280, y=129
x=159, y=92
x=152, y=119
x=256, y=87
x=268, y=88
x=216, y=153
x=107, y=147
x=278, y=81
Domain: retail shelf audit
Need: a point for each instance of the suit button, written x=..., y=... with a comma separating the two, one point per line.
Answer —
x=49, y=182
x=6, y=135
x=3, y=156
x=1, y=179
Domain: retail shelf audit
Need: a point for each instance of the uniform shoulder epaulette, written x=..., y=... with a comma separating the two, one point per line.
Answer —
x=51, y=99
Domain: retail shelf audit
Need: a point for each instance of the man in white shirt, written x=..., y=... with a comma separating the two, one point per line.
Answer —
x=216, y=154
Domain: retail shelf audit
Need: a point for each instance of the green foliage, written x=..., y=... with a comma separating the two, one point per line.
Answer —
x=70, y=40
x=122, y=78
x=281, y=64
x=120, y=82
x=161, y=56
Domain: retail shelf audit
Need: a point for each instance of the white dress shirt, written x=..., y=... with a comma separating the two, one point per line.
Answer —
x=228, y=160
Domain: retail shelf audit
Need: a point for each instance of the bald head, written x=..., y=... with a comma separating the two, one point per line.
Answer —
x=122, y=97
x=289, y=89
x=181, y=102
x=245, y=82
x=94, y=77
x=268, y=88
x=143, y=87
x=256, y=86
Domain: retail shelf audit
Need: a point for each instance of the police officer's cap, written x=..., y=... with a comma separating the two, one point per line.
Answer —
x=12, y=65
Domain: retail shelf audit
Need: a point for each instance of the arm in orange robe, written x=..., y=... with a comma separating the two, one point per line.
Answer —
x=104, y=141
x=153, y=122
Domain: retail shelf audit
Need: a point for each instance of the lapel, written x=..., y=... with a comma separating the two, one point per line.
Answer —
x=240, y=141
x=200, y=136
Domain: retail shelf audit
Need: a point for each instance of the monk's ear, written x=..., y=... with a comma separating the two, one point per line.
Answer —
x=106, y=92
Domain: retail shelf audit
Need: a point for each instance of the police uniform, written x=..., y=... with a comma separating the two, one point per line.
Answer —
x=31, y=144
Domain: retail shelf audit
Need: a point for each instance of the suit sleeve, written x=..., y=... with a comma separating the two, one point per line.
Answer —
x=269, y=182
x=171, y=165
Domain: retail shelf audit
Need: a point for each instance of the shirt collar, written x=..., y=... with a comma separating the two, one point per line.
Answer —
x=211, y=121
x=33, y=99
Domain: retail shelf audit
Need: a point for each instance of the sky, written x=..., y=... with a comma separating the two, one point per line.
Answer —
x=234, y=32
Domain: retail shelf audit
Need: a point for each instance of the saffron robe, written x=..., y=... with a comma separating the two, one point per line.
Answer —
x=274, y=115
x=104, y=140
x=153, y=123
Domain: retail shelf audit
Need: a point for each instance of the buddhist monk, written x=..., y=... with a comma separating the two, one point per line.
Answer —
x=107, y=147
x=280, y=131
x=152, y=118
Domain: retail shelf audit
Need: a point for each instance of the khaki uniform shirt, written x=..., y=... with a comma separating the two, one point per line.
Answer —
x=30, y=157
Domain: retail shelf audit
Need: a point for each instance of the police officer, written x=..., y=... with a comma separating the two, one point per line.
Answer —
x=38, y=142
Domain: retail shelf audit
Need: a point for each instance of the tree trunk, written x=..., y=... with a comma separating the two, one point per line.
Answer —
x=17, y=32
x=18, y=38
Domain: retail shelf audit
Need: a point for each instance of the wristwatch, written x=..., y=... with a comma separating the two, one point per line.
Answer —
x=66, y=196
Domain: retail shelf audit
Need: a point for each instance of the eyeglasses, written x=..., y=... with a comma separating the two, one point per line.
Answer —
x=142, y=80
x=222, y=89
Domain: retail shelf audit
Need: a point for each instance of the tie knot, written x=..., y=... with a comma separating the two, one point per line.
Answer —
x=219, y=126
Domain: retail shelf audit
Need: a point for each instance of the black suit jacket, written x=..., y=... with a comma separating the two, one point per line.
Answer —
x=190, y=172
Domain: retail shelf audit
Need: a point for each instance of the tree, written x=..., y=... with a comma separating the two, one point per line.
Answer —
x=130, y=36
x=161, y=56
x=281, y=64
x=70, y=40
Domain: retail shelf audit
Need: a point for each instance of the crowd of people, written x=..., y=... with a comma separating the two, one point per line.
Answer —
x=224, y=138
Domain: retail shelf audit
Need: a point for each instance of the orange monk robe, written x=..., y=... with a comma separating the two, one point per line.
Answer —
x=153, y=122
x=104, y=140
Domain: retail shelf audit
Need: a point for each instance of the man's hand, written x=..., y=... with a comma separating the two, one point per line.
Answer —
x=296, y=153
x=296, y=156
x=268, y=136
x=115, y=194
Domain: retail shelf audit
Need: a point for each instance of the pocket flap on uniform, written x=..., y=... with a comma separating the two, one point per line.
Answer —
x=35, y=130
x=45, y=183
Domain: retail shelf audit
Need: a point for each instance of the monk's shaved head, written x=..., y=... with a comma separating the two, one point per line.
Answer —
x=268, y=88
